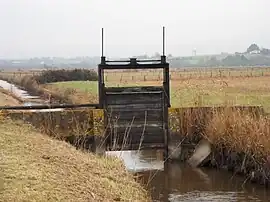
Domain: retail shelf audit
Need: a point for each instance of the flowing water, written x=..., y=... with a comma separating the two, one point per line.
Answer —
x=175, y=181
x=179, y=182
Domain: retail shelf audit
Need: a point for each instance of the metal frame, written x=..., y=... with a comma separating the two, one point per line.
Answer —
x=134, y=63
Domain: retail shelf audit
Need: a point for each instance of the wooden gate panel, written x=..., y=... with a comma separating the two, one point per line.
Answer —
x=135, y=119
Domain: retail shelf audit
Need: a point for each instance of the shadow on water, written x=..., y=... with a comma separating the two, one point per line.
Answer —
x=179, y=182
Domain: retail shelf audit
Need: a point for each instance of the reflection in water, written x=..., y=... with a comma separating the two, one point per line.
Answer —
x=178, y=182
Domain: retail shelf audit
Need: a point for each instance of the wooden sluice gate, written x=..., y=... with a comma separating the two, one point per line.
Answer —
x=135, y=117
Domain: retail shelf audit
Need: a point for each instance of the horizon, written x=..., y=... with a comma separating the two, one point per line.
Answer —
x=98, y=56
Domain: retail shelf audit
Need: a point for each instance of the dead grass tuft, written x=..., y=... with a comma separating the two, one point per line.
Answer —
x=241, y=132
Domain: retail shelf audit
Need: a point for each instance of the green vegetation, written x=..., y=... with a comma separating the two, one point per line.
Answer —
x=66, y=75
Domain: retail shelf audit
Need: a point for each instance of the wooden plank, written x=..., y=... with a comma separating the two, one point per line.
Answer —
x=148, y=133
x=135, y=115
x=123, y=99
x=134, y=89
x=136, y=123
x=136, y=107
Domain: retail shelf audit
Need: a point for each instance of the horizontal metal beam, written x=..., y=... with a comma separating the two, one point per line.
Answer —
x=136, y=66
x=125, y=61
x=54, y=106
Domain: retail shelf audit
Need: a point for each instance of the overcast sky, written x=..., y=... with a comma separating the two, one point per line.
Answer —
x=34, y=28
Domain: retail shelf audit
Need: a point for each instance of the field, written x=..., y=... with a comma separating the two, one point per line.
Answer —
x=189, y=87
x=185, y=92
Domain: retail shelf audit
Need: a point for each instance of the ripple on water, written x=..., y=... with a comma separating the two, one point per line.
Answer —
x=212, y=196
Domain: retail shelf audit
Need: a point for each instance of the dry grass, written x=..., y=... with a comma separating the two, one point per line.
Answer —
x=6, y=99
x=35, y=167
x=189, y=87
x=188, y=92
x=240, y=132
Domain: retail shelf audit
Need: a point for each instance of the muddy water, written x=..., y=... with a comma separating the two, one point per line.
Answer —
x=179, y=182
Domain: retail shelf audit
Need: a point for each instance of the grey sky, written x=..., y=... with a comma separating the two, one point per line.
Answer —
x=70, y=28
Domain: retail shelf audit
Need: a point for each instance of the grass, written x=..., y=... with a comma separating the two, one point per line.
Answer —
x=7, y=99
x=191, y=92
x=240, y=132
x=35, y=167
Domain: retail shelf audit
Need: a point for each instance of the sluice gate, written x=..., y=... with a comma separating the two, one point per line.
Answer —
x=135, y=117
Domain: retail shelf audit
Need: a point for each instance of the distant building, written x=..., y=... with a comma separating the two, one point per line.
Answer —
x=255, y=52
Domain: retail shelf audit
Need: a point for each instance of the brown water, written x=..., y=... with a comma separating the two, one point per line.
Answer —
x=179, y=182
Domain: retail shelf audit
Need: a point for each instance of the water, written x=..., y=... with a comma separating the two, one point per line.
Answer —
x=24, y=95
x=16, y=91
x=179, y=182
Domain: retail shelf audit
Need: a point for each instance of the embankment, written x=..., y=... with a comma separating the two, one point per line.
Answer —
x=35, y=167
x=35, y=85
x=74, y=126
x=8, y=99
x=240, y=139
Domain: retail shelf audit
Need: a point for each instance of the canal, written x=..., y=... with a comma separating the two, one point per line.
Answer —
x=180, y=182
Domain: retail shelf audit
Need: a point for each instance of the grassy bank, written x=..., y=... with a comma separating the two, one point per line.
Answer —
x=35, y=167
x=7, y=99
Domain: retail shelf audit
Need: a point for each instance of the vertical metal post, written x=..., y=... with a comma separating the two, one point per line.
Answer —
x=103, y=60
x=102, y=42
x=163, y=41
x=100, y=86
x=166, y=84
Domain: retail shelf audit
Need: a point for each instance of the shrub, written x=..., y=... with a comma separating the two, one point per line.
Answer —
x=51, y=76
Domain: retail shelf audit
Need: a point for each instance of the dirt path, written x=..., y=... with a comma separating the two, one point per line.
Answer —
x=7, y=100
